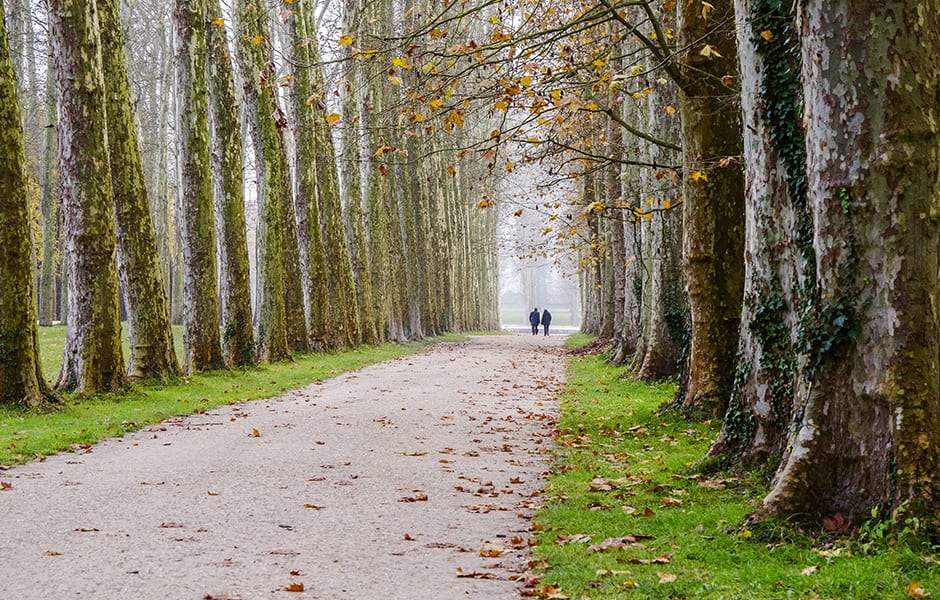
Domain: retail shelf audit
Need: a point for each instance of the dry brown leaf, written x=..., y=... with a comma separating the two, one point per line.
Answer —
x=419, y=497
x=475, y=574
x=52, y=553
x=5, y=486
x=666, y=577
x=809, y=570
x=294, y=587
x=668, y=501
x=577, y=538
x=314, y=506
x=489, y=550
x=254, y=433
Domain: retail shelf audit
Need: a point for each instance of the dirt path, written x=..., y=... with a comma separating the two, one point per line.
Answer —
x=379, y=484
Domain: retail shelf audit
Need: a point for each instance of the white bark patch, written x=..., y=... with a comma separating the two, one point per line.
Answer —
x=801, y=447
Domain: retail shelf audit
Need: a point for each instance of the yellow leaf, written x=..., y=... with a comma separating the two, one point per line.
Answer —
x=401, y=63
x=419, y=117
x=255, y=433
x=709, y=51
x=501, y=105
x=436, y=104
x=706, y=8
x=257, y=40
x=394, y=79
x=332, y=118
x=509, y=165
x=526, y=80
x=667, y=204
x=669, y=110
x=451, y=170
x=438, y=33
x=345, y=40
x=767, y=35
x=699, y=176
x=915, y=591
x=485, y=203
x=217, y=22
x=494, y=20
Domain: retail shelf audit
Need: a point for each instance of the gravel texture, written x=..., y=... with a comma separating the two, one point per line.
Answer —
x=409, y=479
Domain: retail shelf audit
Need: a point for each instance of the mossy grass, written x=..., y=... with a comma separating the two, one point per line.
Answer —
x=26, y=435
x=623, y=469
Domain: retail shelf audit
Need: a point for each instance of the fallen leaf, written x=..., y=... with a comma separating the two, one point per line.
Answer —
x=666, y=577
x=475, y=574
x=419, y=497
x=52, y=553
x=647, y=512
x=915, y=591
x=667, y=501
x=407, y=538
x=212, y=493
x=577, y=538
x=254, y=433
x=809, y=570
x=170, y=525
x=489, y=550
x=314, y=506
x=294, y=587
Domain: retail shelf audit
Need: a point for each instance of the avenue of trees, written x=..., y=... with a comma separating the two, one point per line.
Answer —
x=751, y=189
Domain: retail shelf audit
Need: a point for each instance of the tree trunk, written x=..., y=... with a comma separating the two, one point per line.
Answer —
x=148, y=323
x=305, y=100
x=713, y=203
x=254, y=59
x=50, y=207
x=779, y=255
x=235, y=284
x=21, y=379
x=92, y=359
x=872, y=411
x=295, y=320
x=201, y=338
x=352, y=180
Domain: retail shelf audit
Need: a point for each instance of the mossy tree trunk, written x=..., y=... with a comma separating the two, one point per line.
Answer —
x=148, y=322
x=201, y=337
x=92, y=360
x=253, y=54
x=713, y=202
x=21, y=379
x=779, y=254
x=235, y=284
x=352, y=177
x=307, y=106
x=866, y=436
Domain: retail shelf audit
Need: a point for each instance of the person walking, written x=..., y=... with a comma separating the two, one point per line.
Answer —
x=546, y=320
x=534, y=321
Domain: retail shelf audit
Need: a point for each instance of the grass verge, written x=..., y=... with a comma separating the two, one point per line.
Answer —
x=626, y=516
x=26, y=435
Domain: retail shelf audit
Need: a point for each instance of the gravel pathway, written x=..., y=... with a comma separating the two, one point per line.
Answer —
x=409, y=479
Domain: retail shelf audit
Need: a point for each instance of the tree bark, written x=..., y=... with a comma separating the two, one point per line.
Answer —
x=50, y=207
x=21, y=379
x=865, y=436
x=201, y=338
x=148, y=323
x=713, y=203
x=92, y=360
x=235, y=284
x=255, y=62
x=305, y=100
x=779, y=254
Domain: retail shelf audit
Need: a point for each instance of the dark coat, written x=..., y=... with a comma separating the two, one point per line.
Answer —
x=546, y=317
x=534, y=317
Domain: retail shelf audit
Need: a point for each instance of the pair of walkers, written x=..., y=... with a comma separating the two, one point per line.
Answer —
x=534, y=320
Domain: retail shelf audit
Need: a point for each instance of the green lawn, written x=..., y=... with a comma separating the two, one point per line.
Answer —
x=627, y=515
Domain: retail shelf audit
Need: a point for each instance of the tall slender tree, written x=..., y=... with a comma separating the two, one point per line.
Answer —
x=148, y=312
x=92, y=359
x=253, y=53
x=201, y=337
x=235, y=283
x=50, y=207
x=21, y=378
